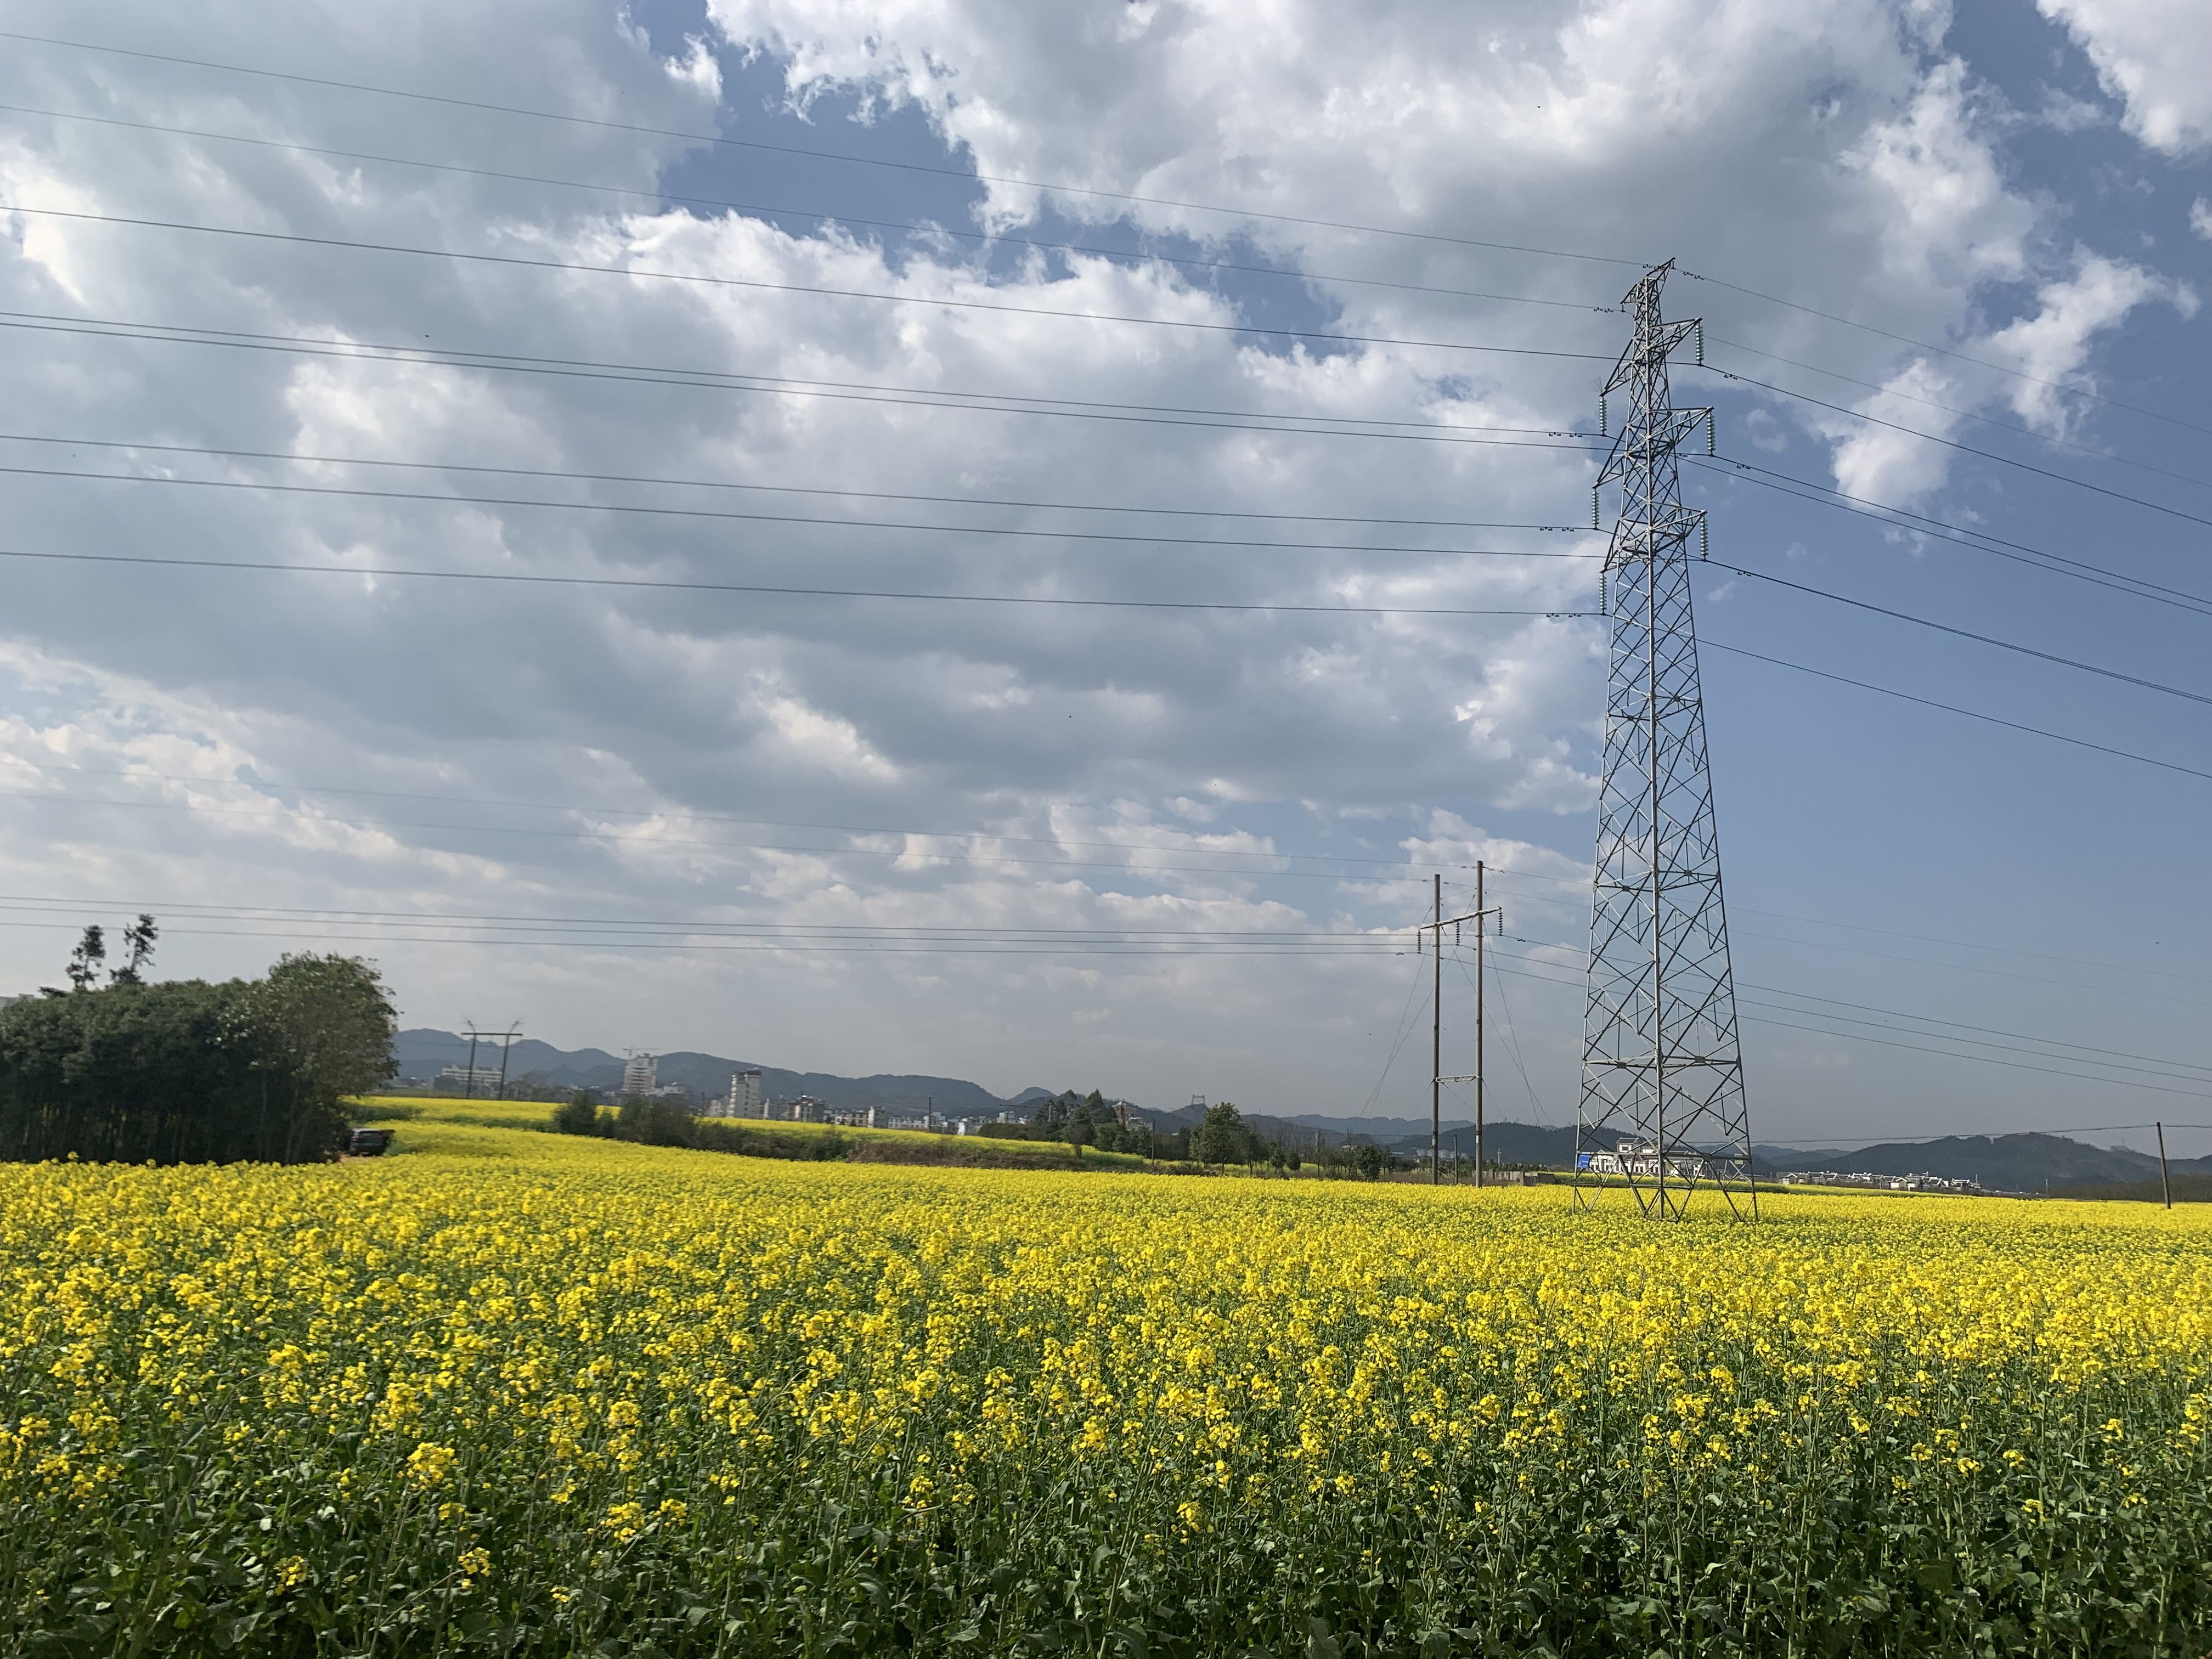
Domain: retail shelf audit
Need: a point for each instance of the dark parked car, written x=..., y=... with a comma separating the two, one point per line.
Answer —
x=368, y=1143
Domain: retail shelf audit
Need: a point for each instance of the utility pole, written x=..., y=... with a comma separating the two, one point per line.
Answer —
x=506, y=1040
x=1478, y=931
x=1662, y=1065
x=2165, y=1186
x=1437, y=1036
x=1437, y=1079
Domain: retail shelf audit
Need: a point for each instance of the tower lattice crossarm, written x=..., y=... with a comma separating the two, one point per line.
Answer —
x=1662, y=1105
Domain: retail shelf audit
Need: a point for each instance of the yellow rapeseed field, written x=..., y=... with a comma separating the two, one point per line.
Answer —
x=511, y=1392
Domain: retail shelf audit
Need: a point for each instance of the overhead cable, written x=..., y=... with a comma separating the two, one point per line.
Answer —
x=1965, y=633
x=650, y=510
x=1064, y=188
x=781, y=590
x=725, y=141
x=1318, y=426
x=1964, y=449
x=662, y=481
x=2057, y=564
x=1944, y=351
x=1953, y=709
x=924, y=228
x=760, y=285
x=2044, y=438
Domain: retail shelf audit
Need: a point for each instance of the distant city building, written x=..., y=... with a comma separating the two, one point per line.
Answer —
x=743, y=1099
x=471, y=1080
x=639, y=1075
x=1641, y=1157
x=1895, y=1183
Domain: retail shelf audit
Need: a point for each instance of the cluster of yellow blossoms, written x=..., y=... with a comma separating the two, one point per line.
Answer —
x=514, y=1389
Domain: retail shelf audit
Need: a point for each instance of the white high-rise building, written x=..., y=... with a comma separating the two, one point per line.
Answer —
x=638, y=1075
x=745, y=1096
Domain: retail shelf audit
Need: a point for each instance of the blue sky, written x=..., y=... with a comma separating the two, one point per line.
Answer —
x=520, y=797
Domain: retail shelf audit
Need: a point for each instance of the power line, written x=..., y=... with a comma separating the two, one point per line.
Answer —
x=1953, y=708
x=1859, y=1036
x=1985, y=1060
x=1886, y=391
x=1138, y=851
x=648, y=510
x=2176, y=1068
x=776, y=591
x=725, y=141
x=570, y=475
x=756, y=284
x=1863, y=1141
x=1974, y=968
x=1964, y=449
x=42, y=903
x=1967, y=634
x=1884, y=956
x=1976, y=945
x=1917, y=524
x=977, y=402
x=921, y=228
x=268, y=810
x=965, y=174
x=594, y=809
x=1947, y=351
x=783, y=946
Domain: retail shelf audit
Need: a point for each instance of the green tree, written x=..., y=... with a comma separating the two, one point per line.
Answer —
x=1369, y=1161
x=655, y=1122
x=139, y=940
x=1221, y=1137
x=324, y=1029
x=190, y=1072
x=579, y=1115
x=84, y=961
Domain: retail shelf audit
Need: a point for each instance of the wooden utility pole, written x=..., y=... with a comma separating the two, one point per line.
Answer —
x=2165, y=1186
x=1478, y=931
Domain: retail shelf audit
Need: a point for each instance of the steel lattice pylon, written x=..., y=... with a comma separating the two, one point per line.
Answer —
x=1663, y=1097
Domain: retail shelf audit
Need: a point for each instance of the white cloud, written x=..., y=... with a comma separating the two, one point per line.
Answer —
x=1883, y=462
x=618, y=752
x=2049, y=347
x=1886, y=458
x=2152, y=53
x=2200, y=218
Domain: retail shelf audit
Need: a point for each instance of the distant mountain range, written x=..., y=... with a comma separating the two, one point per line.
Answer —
x=2016, y=1163
x=423, y=1053
x=2012, y=1164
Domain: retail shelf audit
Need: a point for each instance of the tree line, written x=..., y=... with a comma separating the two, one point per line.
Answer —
x=1222, y=1139
x=191, y=1070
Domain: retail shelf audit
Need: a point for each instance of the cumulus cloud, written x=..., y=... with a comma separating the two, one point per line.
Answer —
x=1885, y=457
x=2049, y=347
x=410, y=749
x=2150, y=53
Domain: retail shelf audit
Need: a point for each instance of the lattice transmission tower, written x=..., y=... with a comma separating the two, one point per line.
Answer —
x=1663, y=1097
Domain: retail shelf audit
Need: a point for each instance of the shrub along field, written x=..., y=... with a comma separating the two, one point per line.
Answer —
x=505, y=1391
